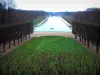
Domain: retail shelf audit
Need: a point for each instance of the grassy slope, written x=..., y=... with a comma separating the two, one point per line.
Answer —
x=50, y=56
x=38, y=20
x=69, y=19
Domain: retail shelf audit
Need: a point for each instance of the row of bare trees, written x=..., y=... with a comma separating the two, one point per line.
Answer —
x=15, y=24
x=86, y=26
x=12, y=33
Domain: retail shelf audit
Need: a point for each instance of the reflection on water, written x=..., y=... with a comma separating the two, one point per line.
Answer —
x=53, y=24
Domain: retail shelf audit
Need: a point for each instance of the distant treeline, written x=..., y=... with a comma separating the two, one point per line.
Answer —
x=8, y=13
x=59, y=13
x=86, y=26
x=17, y=16
x=90, y=16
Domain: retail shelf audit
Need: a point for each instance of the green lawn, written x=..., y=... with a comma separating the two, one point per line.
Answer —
x=38, y=20
x=50, y=55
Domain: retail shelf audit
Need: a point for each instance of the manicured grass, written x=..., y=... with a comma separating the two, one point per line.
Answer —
x=38, y=20
x=50, y=55
x=69, y=19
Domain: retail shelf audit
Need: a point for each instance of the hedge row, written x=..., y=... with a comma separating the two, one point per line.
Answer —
x=18, y=32
x=87, y=33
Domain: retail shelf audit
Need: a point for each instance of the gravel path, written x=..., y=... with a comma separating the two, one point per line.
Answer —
x=65, y=34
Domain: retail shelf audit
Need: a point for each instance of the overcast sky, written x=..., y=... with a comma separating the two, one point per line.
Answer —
x=57, y=5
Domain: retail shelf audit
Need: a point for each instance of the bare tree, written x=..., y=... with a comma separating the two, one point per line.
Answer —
x=9, y=4
x=2, y=4
x=2, y=11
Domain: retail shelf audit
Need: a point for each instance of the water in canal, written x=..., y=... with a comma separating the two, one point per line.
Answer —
x=53, y=24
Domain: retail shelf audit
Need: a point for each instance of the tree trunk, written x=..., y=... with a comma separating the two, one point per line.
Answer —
x=88, y=42
x=18, y=39
x=97, y=44
x=9, y=44
x=75, y=36
x=29, y=35
x=0, y=44
x=3, y=46
x=14, y=42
